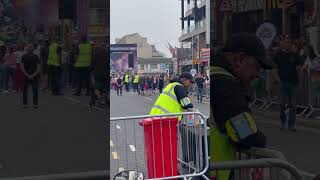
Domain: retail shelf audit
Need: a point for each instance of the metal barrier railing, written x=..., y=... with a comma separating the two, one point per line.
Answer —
x=268, y=94
x=91, y=175
x=160, y=146
x=259, y=163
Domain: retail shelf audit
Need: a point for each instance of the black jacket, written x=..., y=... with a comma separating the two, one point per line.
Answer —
x=229, y=99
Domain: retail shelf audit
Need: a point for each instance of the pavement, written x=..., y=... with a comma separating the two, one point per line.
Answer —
x=63, y=136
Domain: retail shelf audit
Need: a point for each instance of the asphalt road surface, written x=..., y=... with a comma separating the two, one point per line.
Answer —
x=62, y=136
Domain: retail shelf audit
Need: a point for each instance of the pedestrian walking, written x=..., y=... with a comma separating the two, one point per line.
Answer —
x=160, y=83
x=141, y=84
x=3, y=50
x=126, y=82
x=54, y=68
x=136, y=83
x=149, y=82
x=98, y=74
x=119, y=85
x=233, y=125
x=83, y=56
x=30, y=66
x=10, y=69
x=154, y=84
x=19, y=75
x=288, y=72
x=200, y=85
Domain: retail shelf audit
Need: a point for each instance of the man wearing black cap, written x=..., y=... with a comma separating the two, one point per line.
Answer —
x=174, y=98
x=289, y=70
x=233, y=125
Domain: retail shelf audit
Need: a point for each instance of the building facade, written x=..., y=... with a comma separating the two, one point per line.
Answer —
x=155, y=65
x=195, y=34
x=145, y=50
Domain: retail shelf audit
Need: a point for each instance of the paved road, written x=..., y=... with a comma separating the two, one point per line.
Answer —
x=61, y=136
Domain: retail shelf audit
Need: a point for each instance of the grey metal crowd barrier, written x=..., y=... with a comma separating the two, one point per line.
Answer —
x=160, y=146
x=259, y=163
x=266, y=92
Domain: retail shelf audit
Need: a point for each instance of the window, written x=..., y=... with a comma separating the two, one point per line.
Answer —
x=141, y=66
x=146, y=66
x=153, y=66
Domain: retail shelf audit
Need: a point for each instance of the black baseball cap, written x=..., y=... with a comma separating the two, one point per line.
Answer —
x=187, y=75
x=251, y=45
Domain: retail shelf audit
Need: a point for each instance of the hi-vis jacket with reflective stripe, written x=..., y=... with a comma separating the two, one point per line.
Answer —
x=53, y=57
x=84, y=58
x=167, y=101
x=237, y=128
x=136, y=79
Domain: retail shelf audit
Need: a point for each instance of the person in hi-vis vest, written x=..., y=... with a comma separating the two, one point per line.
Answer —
x=233, y=127
x=54, y=67
x=83, y=56
x=126, y=82
x=174, y=98
x=135, y=83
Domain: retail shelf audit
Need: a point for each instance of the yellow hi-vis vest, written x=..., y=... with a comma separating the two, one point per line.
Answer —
x=84, y=58
x=53, y=56
x=136, y=79
x=126, y=78
x=221, y=148
x=167, y=102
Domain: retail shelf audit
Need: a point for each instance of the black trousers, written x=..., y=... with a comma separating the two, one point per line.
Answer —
x=55, y=78
x=35, y=86
x=83, y=78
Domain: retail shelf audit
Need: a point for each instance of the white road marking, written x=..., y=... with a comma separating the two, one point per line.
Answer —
x=132, y=148
x=148, y=98
x=111, y=144
x=118, y=127
x=79, y=102
x=121, y=169
x=115, y=155
x=72, y=99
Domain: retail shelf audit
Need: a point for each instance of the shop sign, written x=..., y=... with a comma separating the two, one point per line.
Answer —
x=247, y=5
x=272, y=4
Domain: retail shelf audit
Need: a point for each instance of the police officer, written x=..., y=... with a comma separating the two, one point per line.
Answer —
x=174, y=98
x=135, y=83
x=54, y=68
x=82, y=65
x=233, y=127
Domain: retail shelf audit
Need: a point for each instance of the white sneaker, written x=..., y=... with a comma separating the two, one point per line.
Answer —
x=5, y=92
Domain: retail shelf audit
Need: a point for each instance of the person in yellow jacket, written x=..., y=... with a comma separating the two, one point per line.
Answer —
x=135, y=83
x=174, y=98
x=54, y=67
x=83, y=56
x=232, y=126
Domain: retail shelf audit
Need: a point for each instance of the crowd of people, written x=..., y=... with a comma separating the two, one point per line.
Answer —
x=53, y=67
x=152, y=84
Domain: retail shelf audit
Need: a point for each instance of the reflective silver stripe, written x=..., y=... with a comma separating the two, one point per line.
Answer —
x=170, y=95
x=161, y=108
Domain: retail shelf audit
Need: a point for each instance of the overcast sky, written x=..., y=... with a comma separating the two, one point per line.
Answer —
x=158, y=20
